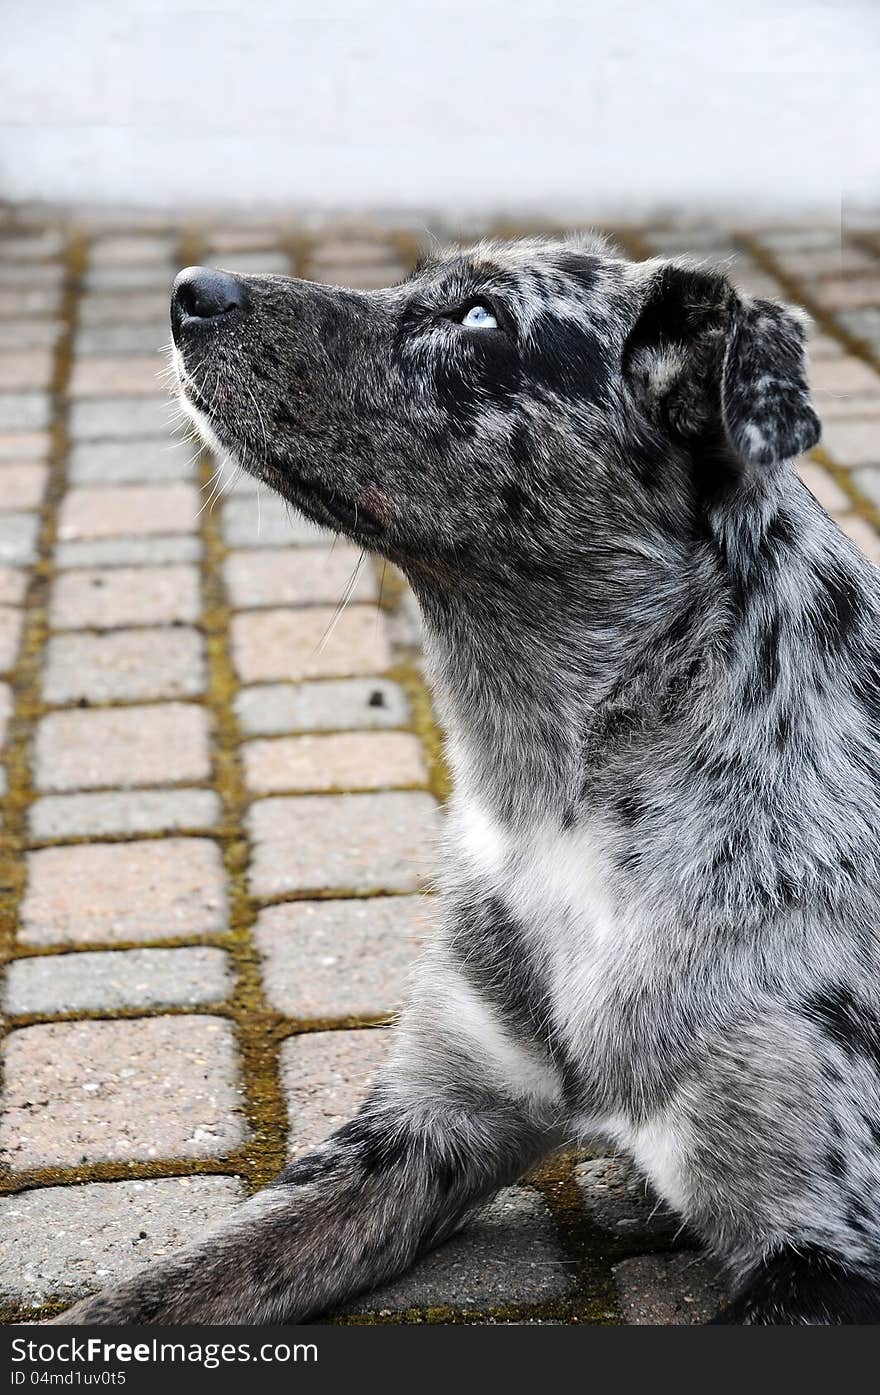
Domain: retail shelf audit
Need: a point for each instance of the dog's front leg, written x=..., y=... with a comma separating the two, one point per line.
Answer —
x=438, y=1135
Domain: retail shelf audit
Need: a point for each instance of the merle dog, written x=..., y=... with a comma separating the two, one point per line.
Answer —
x=656, y=660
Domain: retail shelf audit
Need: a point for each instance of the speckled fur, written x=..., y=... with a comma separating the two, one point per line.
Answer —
x=656, y=660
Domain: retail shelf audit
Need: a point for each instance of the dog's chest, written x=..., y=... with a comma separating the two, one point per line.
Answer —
x=591, y=945
x=577, y=923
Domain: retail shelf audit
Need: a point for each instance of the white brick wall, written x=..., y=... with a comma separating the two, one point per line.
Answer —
x=580, y=104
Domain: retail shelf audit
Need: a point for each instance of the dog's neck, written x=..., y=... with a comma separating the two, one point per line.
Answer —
x=555, y=694
x=525, y=676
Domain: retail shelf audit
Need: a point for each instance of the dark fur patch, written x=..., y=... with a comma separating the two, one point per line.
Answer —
x=807, y=1286
x=768, y=658
x=377, y=1149
x=310, y=1168
x=859, y=1215
x=581, y=267
x=851, y=1024
x=484, y=371
x=835, y=1162
x=568, y=358
x=519, y=446
x=495, y=958
x=839, y=608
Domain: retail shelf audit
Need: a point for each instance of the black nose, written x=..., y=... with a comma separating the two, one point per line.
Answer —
x=204, y=293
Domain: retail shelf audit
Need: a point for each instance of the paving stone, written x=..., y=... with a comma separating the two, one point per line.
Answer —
x=679, y=1290
x=862, y=534
x=864, y=322
x=156, y=1087
x=823, y=346
x=354, y=251
x=811, y=265
x=124, y=666
x=287, y=644
x=847, y=292
x=336, y=959
x=19, y=533
x=109, y=599
x=132, y=249
x=22, y=486
x=705, y=238
x=824, y=487
x=838, y=406
x=845, y=375
x=867, y=481
x=126, y=376
x=5, y=709
x=28, y=302
x=92, y=511
x=36, y=275
x=132, y=462
x=146, y=337
x=29, y=368
x=232, y=239
x=24, y=445
x=332, y=705
x=128, y=552
x=325, y=1076
x=146, y=811
x=618, y=1199
x=853, y=442
x=347, y=761
x=351, y=842
x=122, y=746
x=149, y=276
x=122, y=417
x=802, y=239
x=24, y=411
x=299, y=576
x=265, y=520
x=120, y=307
x=63, y=1242
x=13, y=585
x=11, y=626
x=508, y=1253
x=103, y=893
x=363, y=278
x=18, y=335
x=756, y=283
x=31, y=246
x=257, y=263
x=104, y=980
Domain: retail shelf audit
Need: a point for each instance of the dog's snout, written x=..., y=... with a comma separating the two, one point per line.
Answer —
x=205, y=293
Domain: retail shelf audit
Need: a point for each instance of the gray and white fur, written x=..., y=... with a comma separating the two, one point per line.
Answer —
x=657, y=660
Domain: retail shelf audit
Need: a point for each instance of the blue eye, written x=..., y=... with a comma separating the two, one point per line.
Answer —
x=479, y=317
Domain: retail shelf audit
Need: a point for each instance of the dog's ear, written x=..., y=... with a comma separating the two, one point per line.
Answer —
x=702, y=358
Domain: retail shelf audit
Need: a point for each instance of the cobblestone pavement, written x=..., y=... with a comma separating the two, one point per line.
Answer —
x=216, y=827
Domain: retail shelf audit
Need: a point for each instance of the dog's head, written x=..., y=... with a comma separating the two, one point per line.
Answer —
x=505, y=406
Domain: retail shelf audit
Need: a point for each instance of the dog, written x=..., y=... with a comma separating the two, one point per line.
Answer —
x=656, y=660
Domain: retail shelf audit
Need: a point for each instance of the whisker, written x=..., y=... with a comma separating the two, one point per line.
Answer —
x=346, y=597
x=381, y=593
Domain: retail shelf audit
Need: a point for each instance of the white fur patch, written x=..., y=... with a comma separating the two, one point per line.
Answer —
x=660, y=1151
x=202, y=425
x=518, y=1066
x=479, y=840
